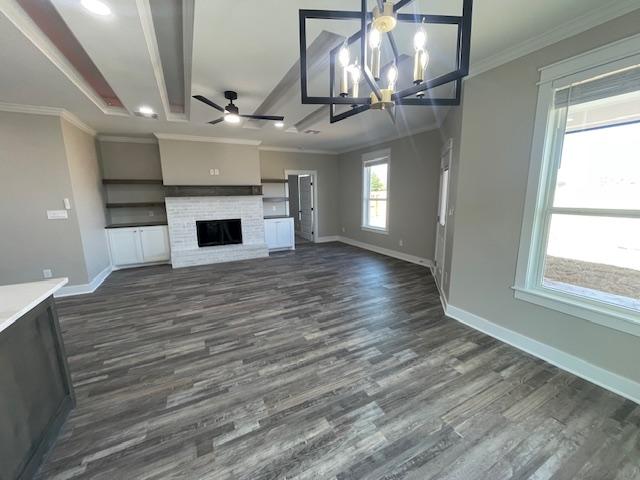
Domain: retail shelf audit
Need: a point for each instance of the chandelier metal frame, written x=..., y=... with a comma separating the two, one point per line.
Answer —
x=406, y=96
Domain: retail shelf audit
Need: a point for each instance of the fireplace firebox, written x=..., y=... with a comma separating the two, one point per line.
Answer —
x=213, y=233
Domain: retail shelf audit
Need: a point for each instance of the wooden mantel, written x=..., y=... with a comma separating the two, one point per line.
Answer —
x=211, y=190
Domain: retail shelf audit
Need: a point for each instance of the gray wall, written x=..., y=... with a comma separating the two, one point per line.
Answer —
x=496, y=134
x=273, y=165
x=189, y=162
x=413, y=194
x=86, y=182
x=132, y=160
x=34, y=178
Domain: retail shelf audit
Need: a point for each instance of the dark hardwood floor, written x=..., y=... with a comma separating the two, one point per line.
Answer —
x=325, y=363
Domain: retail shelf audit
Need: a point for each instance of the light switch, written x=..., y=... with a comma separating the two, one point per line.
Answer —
x=67, y=204
x=212, y=172
x=47, y=273
x=57, y=214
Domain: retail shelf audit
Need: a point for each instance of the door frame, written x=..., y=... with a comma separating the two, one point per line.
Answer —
x=314, y=175
x=446, y=157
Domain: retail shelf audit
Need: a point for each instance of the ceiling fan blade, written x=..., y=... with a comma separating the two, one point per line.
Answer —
x=209, y=102
x=213, y=122
x=264, y=117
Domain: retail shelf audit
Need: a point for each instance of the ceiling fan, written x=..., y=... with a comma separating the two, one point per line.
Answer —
x=231, y=112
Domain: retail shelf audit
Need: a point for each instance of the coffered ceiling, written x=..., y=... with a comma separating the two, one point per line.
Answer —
x=158, y=53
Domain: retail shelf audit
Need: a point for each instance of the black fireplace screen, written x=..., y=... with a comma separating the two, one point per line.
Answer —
x=219, y=232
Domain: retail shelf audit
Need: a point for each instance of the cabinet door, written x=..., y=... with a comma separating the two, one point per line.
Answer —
x=125, y=246
x=283, y=233
x=270, y=234
x=154, y=242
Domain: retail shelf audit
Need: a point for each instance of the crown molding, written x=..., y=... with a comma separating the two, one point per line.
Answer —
x=268, y=148
x=75, y=121
x=194, y=138
x=397, y=136
x=30, y=109
x=123, y=139
x=580, y=24
x=50, y=111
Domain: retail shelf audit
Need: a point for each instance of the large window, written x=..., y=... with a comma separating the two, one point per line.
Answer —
x=375, y=204
x=582, y=247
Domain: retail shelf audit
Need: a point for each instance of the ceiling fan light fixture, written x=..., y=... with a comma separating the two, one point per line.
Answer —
x=233, y=118
x=97, y=7
x=279, y=124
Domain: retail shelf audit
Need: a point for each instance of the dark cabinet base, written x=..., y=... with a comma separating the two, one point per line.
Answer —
x=36, y=393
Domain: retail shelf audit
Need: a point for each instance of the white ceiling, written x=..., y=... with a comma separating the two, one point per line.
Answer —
x=250, y=46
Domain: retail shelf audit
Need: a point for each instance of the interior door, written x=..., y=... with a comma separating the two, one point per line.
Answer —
x=306, y=207
x=443, y=206
x=294, y=201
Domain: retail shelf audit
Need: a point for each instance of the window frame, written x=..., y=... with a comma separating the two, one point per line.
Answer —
x=545, y=154
x=370, y=159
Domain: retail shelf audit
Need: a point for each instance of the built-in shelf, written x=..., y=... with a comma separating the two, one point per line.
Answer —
x=274, y=180
x=275, y=199
x=135, y=204
x=129, y=181
x=136, y=224
x=273, y=217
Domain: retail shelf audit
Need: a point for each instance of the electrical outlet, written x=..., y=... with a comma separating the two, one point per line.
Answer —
x=401, y=242
x=216, y=171
x=47, y=273
x=274, y=208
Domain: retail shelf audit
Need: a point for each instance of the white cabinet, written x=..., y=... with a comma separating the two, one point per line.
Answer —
x=139, y=245
x=154, y=242
x=279, y=233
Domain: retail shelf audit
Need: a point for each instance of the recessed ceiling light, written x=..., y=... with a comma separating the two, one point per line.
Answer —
x=97, y=7
x=278, y=124
x=146, y=111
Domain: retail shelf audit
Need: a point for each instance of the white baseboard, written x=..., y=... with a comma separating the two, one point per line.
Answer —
x=332, y=238
x=82, y=289
x=425, y=262
x=565, y=361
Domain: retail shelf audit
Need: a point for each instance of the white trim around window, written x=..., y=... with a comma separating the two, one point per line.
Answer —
x=370, y=159
x=538, y=201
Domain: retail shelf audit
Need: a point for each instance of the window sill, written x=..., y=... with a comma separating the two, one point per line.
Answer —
x=375, y=230
x=611, y=316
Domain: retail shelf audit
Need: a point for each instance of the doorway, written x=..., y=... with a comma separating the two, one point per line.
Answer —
x=302, y=194
x=443, y=206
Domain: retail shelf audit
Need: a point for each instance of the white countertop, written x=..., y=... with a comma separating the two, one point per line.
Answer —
x=18, y=299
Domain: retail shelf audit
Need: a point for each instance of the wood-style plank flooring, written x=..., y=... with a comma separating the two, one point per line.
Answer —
x=330, y=362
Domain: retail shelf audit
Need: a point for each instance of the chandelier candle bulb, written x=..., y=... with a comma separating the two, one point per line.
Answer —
x=355, y=78
x=392, y=77
x=343, y=57
x=421, y=57
x=374, y=42
x=420, y=62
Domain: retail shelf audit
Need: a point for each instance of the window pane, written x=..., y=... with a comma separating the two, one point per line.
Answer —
x=600, y=166
x=378, y=214
x=598, y=257
x=378, y=180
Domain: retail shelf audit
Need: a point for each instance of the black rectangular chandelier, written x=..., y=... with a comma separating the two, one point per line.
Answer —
x=373, y=26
